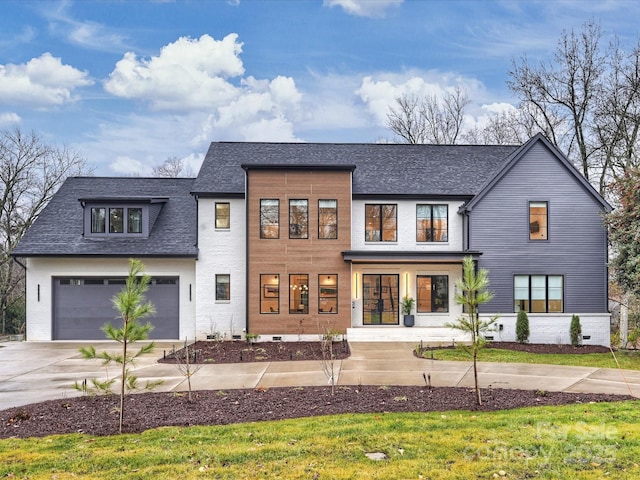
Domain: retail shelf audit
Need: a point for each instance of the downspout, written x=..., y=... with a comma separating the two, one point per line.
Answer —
x=192, y=294
x=246, y=251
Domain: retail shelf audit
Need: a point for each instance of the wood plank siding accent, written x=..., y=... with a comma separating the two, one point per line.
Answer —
x=311, y=256
x=576, y=246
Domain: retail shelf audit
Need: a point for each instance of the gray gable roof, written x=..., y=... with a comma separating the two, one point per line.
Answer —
x=518, y=154
x=380, y=169
x=58, y=230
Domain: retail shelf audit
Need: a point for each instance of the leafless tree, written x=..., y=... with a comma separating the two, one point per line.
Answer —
x=428, y=119
x=30, y=173
x=586, y=101
x=186, y=366
x=513, y=127
x=172, y=167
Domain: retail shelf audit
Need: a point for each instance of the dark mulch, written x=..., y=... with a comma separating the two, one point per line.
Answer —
x=98, y=415
x=238, y=351
x=537, y=348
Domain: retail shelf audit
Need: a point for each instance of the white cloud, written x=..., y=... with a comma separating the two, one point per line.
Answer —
x=86, y=34
x=123, y=165
x=41, y=82
x=192, y=80
x=188, y=74
x=379, y=94
x=9, y=118
x=364, y=8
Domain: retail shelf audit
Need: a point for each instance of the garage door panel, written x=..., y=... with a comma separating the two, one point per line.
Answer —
x=82, y=306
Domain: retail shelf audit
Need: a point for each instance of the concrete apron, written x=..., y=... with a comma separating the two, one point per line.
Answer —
x=33, y=372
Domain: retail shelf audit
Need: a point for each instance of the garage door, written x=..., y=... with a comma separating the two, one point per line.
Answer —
x=82, y=305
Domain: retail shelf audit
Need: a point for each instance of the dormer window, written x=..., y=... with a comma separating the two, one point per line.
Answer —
x=119, y=218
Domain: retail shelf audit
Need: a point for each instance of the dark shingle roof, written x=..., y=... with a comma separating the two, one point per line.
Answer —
x=58, y=229
x=381, y=169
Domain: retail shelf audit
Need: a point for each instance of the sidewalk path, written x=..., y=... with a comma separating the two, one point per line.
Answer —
x=33, y=372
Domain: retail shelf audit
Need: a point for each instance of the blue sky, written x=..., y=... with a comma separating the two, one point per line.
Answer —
x=130, y=83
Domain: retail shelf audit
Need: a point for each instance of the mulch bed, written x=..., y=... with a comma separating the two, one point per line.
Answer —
x=98, y=415
x=239, y=351
x=536, y=348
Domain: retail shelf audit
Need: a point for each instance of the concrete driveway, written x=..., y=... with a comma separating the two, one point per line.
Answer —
x=32, y=372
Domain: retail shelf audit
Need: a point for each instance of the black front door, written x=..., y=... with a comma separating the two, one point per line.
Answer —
x=380, y=296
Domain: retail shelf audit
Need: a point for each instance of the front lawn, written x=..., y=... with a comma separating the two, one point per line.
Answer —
x=587, y=441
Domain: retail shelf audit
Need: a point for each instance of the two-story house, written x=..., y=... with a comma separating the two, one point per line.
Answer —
x=287, y=240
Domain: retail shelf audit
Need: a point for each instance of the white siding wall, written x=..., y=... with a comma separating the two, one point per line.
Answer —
x=221, y=251
x=406, y=227
x=41, y=270
x=554, y=328
x=407, y=275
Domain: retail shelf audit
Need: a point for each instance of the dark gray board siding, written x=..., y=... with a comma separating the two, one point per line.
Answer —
x=577, y=243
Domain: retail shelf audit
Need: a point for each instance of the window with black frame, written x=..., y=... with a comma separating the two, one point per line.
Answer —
x=432, y=223
x=299, y=218
x=380, y=223
x=223, y=287
x=269, y=218
x=432, y=293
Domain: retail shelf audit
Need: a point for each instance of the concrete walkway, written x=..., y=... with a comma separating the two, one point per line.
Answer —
x=33, y=372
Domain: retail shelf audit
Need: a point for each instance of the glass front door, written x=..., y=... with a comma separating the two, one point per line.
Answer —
x=380, y=294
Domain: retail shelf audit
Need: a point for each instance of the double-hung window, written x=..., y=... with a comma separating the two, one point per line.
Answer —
x=380, y=223
x=432, y=223
x=433, y=293
x=328, y=219
x=298, y=218
x=538, y=293
x=269, y=218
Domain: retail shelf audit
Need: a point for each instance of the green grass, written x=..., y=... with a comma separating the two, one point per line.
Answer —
x=588, y=441
x=627, y=359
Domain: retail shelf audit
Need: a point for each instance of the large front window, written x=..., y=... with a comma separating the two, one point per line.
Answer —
x=328, y=219
x=269, y=218
x=327, y=293
x=538, y=293
x=381, y=223
x=432, y=223
x=299, y=293
x=433, y=293
x=298, y=219
x=269, y=293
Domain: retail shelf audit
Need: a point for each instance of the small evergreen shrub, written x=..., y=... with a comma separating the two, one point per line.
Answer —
x=522, y=327
x=575, y=331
